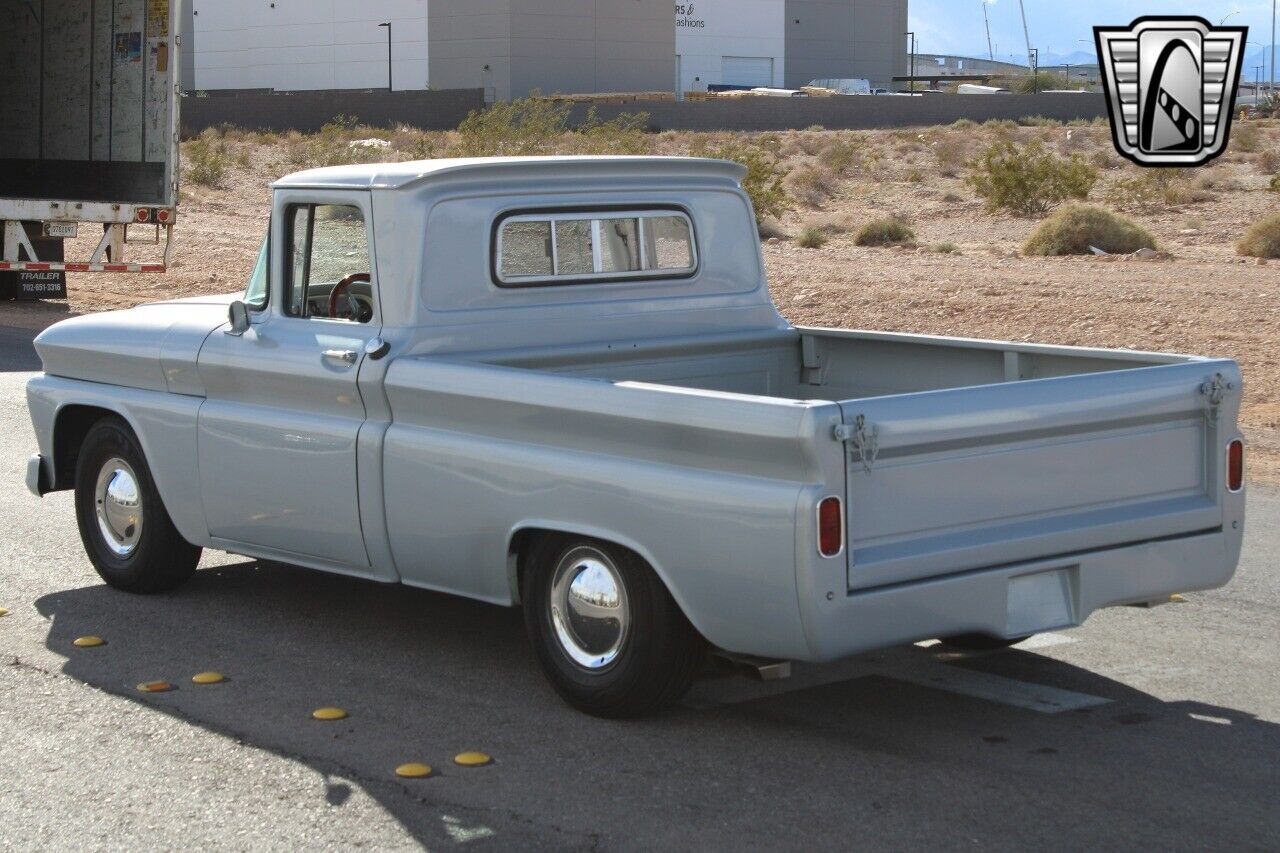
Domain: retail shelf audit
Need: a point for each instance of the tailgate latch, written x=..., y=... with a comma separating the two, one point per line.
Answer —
x=865, y=440
x=1215, y=391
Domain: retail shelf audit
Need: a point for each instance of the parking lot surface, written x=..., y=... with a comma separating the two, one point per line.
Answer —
x=1158, y=727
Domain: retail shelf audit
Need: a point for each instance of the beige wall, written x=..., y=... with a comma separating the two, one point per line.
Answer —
x=552, y=45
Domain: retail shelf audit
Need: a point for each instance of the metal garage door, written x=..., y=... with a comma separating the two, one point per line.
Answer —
x=747, y=70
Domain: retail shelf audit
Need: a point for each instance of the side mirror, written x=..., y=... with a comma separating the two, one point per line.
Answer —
x=238, y=316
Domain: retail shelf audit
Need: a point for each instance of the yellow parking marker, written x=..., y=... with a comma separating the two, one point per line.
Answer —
x=413, y=770
x=208, y=678
x=88, y=642
x=329, y=714
x=155, y=687
x=471, y=759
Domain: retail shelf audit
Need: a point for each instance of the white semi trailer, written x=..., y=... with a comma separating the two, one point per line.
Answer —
x=89, y=137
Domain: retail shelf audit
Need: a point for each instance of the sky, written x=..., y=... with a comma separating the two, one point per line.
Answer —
x=1063, y=27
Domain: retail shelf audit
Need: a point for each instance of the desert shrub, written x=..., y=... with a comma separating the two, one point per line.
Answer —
x=812, y=184
x=963, y=124
x=765, y=177
x=945, y=249
x=812, y=237
x=841, y=157
x=1274, y=186
x=1042, y=80
x=207, y=159
x=1075, y=227
x=1028, y=180
x=1039, y=121
x=952, y=152
x=1268, y=161
x=1263, y=239
x=520, y=127
x=1246, y=137
x=1150, y=188
x=625, y=134
x=889, y=231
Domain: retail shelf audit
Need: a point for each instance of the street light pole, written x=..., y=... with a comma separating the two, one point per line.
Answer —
x=1033, y=56
x=911, y=34
x=389, y=81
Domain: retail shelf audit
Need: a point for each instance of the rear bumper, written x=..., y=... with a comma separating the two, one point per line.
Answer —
x=1020, y=599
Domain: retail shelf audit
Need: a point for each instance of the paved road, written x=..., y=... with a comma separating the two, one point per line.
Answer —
x=1158, y=728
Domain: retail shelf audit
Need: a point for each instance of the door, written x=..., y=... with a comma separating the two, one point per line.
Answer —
x=277, y=433
x=746, y=70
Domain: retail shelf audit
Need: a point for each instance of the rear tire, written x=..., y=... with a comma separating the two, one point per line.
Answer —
x=607, y=633
x=982, y=642
x=124, y=526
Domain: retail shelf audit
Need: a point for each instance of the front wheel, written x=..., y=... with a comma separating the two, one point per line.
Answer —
x=607, y=633
x=126, y=531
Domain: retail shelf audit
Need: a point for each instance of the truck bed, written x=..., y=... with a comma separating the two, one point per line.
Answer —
x=963, y=455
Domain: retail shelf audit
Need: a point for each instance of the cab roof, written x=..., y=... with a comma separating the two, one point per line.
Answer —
x=401, y=175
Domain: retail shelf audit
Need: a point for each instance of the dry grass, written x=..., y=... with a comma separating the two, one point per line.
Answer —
x=1075, y=228
x=1262, y=240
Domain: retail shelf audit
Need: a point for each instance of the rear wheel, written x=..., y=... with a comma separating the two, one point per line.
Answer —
x=982, y=642
x=126, y=531
x=606, y=632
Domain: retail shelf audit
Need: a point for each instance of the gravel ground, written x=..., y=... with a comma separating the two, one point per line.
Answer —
x=1204, y=299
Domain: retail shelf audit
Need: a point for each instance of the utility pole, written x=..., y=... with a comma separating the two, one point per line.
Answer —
x=1033, y=57
x=992, y=53
x=1273, y=47
x=388, y=26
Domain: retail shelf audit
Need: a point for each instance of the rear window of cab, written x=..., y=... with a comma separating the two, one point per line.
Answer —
x=586, y=247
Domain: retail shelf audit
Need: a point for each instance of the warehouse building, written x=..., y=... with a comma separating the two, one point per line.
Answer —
x=512, y=47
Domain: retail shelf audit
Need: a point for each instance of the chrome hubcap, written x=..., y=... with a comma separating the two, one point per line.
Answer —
x=589, y=608
x=118, y=502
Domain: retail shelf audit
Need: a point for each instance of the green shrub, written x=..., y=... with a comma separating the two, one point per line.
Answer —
x=1150, y=188
x=1275, y=184
x=207, y=159
x=963, y=124
x=764, y=180
x=890, y=231
x=1028, y=180
x=811, y=184
x=812, y=237
x=1263, y=239
x=1076, y=227
x=1039, y=121
x=1043, y=80
x=841, y=157
x=945, y=249
x=626, y=134
x=521, y=127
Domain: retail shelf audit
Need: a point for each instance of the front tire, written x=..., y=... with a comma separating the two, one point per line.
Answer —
x=126, y=531
x=607, y=633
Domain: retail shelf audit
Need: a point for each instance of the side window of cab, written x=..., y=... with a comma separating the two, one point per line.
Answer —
x=328, y=267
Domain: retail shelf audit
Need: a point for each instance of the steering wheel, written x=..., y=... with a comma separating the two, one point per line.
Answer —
x=341, y=287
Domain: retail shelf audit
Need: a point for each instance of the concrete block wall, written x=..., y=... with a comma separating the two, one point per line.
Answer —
x=307, y=112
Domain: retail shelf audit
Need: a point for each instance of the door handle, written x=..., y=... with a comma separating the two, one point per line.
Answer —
x=346, y=356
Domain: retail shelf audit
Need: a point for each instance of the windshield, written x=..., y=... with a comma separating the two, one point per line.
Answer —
x=255, y=294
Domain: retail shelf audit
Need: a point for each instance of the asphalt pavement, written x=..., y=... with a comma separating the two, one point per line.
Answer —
x=1154, y=727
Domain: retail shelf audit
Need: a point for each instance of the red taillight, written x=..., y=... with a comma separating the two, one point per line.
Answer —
x=830, y=527
x=163, y=216
x=1235, y=466
x=142, y=214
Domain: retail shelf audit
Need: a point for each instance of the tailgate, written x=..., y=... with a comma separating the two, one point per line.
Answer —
x=951, y=481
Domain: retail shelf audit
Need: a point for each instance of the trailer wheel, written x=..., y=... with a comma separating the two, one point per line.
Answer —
x=982, y=642
x=126, y=531
x=607, y=633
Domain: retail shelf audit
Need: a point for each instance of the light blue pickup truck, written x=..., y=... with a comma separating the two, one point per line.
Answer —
x=560, y=384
